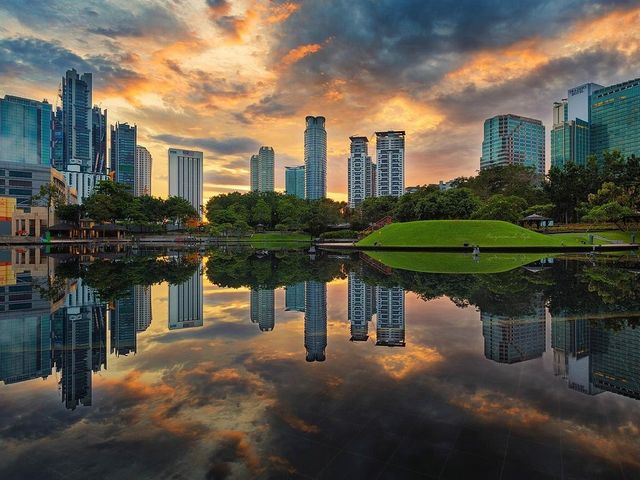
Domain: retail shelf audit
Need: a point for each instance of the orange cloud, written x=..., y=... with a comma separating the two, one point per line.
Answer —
x=400, y=363
x=281, y=12
x=298, y=53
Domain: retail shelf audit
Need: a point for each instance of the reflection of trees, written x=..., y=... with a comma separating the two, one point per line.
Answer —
x=113, y=279
x=567, y=287
x=245, y=268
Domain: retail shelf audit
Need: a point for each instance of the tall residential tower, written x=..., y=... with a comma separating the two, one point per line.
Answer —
x=142, y=172
x=262, y=167
x=360, y=175
x=294, y=181
x=390, y=163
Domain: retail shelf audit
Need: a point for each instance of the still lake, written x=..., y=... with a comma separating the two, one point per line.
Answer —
x=254, y=364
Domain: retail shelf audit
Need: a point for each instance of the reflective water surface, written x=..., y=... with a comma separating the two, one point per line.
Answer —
x=242, y=364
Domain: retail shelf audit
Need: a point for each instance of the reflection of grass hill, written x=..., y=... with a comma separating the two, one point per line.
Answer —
x=454, y=262
x=455, y=233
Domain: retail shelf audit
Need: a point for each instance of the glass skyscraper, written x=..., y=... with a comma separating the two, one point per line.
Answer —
x=294, y=181
x=261, y=168
x=123, y=153
x=512, y=140
x=315, y=158
x=77, y=120
x=615, y=119
x=25, y=131
x=99, y=139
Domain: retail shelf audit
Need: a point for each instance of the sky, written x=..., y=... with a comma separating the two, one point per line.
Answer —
x=226, y=76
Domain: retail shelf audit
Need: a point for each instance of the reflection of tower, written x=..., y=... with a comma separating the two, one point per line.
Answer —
x=185, y=303
x=123, y=325
x=615, y=359
x=142, y=305
x=80, y=337
x=390, y=316
x=294, y=297
x=511, y=340
x=315, y=321
x=263, y=308
x=570, y=340
x=361, y=307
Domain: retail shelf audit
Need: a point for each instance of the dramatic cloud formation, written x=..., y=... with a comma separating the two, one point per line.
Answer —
x=228, y=76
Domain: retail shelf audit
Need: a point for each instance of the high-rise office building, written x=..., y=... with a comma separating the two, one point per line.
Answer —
x=78, y=160
x=315, y=321
x=615, y=122
x=262, y=308
x=513, y=140
x=360, y=173
x=76, y=105
x=124, y=140
x=57, y=139
x=99, y=139
x=570, y=132
x=25, y=131
x=390, y=326
x=142, y=172
x=185, y=303
x=262, y=168
x=390, y=163
x=25, y=346
x=186, y=176
x=294, y=181
x=294, y=297
x=315, y=158
x=361, y=307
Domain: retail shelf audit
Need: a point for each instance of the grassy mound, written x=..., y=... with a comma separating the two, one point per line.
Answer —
x=455, y=233
x=460, y=263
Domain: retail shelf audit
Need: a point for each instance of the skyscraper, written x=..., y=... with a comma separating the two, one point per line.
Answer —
x=615, y=122
x=123, y=325
x=570, y=132
x=79, y=162
x=262, y=167
x=185, y=303
x=76, y=106
x=262, y=308
x=124, y=140
x=99, y=139
x=360, y=175
x=390, y=327
x=142, y=307
x=186, y=176
x=390, y=163
x=315, y=321
x=142, y=172
x=57, y=140
x=315, y=158
x=25, y=131
x=513, y=140
x=294, y=181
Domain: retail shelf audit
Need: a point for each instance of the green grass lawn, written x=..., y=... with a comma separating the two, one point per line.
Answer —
x=608, y=234
x=454, y=262
x=455, y=233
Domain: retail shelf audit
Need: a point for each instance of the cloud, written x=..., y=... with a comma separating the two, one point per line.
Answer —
x=225, y=146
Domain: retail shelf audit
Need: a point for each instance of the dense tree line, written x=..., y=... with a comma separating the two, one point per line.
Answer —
x=113, y=202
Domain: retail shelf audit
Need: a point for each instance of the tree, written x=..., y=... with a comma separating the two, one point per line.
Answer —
x=71, y=213
x=48, y=196
x=609, y=204
x=500, y=207
x=507, y=180
x=179, y=210
x=261, y=213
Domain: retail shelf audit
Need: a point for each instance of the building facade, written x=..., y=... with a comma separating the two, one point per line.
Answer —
x=315, y=158
x=361, y=307
x=390, y=317
x=142, y=172
x=294, y=181
x=294, y=297
x=315, y=321
x=124, y=140
x=360, y=176
x=77, y=120
x=25, y=131
x=513, y=140
x=262, y=308
x=99, y=139
x=390, y=163
x=186, y=176
x=262, y=170
x=185, y=303
x=615, y=119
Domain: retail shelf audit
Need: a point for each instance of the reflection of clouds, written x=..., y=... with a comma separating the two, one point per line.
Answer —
x=399, y=365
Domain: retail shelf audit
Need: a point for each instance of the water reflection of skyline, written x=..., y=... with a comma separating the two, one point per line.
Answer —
x=71, y=331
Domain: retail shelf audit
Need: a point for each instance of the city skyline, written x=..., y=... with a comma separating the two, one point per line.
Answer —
x=471, y=68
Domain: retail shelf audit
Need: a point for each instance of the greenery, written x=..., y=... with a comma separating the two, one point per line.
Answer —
x=456, y=233
x=454, y=262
